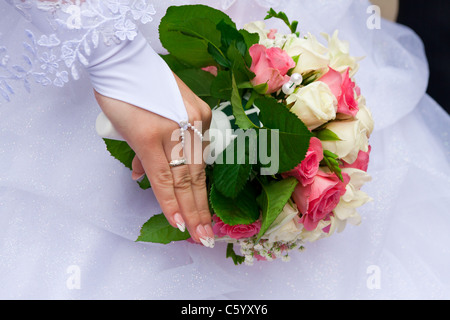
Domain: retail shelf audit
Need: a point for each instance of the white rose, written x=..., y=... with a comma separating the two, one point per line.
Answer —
x=258, y=27
x=365, y=116
x=339, y=54
x=353, y=198
x=313, y=55
x=353, y=138
x=286, y=227
x=317, y=233
x=314, y=104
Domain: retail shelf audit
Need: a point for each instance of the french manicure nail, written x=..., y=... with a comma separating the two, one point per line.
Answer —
x=205, y=239
x=179, y=222
x=210, y=233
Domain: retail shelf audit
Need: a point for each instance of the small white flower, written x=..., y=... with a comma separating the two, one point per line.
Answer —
x=116, y=6
x=258, y=247
x=143, y=12
x=125, y=29
x=61, y=78
x=249, y=260
x=49, y=62
x=49, y=41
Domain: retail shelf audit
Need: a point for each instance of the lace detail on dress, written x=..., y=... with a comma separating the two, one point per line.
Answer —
x=265, y=3
x=77, y=29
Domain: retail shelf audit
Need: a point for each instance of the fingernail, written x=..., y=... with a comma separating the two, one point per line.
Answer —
x=206, y=236
x=136, y=176
x=210, y=233
x=179, y=222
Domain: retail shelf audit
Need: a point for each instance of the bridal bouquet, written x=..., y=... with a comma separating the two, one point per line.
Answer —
x=289, y=136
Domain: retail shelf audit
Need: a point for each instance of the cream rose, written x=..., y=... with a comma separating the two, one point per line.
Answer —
x=314, y=104
x=353, y=198
x=312, y=54
x=318, y=233
x=267, y=38
x=353, y=138
x=339, y=54
x=286, y=227
x=365, y=116
x=258, y=27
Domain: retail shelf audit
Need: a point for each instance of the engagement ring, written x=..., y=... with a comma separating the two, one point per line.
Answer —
x=176, y=163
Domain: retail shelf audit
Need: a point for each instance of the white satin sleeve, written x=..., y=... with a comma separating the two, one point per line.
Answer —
x=103, y=38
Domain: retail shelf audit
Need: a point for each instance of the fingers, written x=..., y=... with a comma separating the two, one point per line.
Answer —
x=199, y=226
x=193, y=151
x=156, y=166
x=180, y=190
x=190, y=189
x=138, y=170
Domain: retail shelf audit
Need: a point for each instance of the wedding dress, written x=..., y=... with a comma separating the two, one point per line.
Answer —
x=70, y=213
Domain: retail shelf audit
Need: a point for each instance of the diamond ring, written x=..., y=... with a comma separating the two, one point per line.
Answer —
x=176, y=163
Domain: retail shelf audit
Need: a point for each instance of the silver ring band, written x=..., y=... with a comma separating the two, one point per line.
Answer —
x=176, y=163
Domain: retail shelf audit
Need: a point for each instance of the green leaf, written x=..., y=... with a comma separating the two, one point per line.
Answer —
x=218, y=56
x=261, y=88
x=221, y=86
x=243, y=209
x=187, y=31
x=272, y=200
x=197, y=80
x=282, y=16
x=331, y=160
x=230, y=35
x=144, y=183
x=174, y=63
x=239, y=68
x=242, y=120
x=329, y=154
x=295, y=58
x=121, y=151
x=233, y=167
x=250, y=39
x=231, y=254
x=286, y=129
x=158, y=230
x=311, y=77
x=327, y=135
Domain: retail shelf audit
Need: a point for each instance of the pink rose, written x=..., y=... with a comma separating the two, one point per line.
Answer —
x=361, y=162
x=308, y=168
x=270, y=66
x=317, y=200
x=344, y=89
x=236, y=232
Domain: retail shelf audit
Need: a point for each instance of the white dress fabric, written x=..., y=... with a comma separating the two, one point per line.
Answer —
x=70, y=213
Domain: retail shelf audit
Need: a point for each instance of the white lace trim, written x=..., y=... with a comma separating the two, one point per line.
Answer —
x=50, y=59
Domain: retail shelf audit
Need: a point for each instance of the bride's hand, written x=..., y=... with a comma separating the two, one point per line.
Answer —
x=181, y=190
